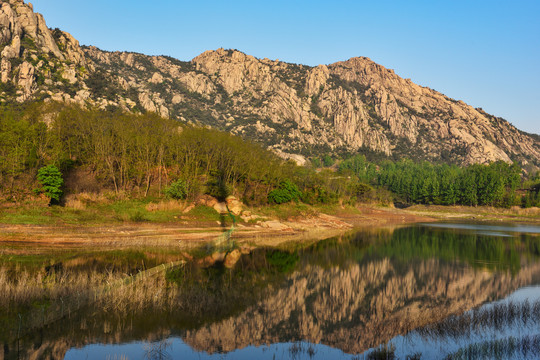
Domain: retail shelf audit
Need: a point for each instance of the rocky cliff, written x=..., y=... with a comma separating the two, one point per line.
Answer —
x=346, y=107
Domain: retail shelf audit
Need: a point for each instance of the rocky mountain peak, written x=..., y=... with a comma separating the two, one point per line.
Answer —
x=345, y=107
x=32, y=54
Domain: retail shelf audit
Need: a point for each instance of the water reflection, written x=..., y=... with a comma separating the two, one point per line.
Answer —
x=508, y=328
x=339, y=297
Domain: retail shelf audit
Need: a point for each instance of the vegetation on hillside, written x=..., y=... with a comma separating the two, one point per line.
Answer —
x=144, y=155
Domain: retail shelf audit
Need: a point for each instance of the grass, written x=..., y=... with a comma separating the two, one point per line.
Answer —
x=287, y=211
x=78, y=212
x=299, y=210
x=527, y=347
x=485, y=213
x=43, y=283
x=205, y=213
x=114, y=212
x=481, y=320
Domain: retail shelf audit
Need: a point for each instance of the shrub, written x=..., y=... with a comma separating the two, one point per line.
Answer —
x=328, y=161
x=177, y=190
x=287, y=191
x=319, y=194
x=362, y=189
x=51, y=181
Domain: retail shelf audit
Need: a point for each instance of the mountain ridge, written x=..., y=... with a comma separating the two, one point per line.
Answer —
x=344, y=107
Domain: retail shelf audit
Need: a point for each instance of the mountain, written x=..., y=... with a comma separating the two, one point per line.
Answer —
x=345, y=107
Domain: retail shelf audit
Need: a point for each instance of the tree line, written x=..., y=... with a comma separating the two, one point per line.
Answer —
x=142, y=155
x=127, y=153
x=496, y=184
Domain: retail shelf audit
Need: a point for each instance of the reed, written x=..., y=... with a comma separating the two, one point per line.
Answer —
x=22, y=289
x=526, y=347
x=480, y=320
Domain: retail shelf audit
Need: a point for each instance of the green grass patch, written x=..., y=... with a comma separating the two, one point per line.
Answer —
x=203, y=212
x=286, y=211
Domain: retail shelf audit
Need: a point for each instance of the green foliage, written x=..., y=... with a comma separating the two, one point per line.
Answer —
x=359, y=166
x=284, y=262
x=532, y=196
x=28, y=43
x=51, y=181
x=328, y=161
x=362, y=190
x=493, y=184
x=287, y=191
x=135, y=154
x=8, y=88
x=217, y=186
x=177, y=190
x=319, y=194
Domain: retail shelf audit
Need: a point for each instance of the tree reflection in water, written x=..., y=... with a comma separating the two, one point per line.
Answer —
x=350, y=293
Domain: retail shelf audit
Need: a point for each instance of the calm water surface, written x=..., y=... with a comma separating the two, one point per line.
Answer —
x=429, y=290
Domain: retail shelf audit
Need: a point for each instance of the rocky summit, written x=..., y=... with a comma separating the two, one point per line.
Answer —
x=297, y=110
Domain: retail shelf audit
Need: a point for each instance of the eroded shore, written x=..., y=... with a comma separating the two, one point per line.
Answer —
x=267, y=232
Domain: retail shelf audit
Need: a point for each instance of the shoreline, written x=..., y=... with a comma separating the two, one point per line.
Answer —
x=185, y=236
x=269, y=232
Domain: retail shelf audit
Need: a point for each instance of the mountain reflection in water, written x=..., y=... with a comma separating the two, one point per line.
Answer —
x=336, y=298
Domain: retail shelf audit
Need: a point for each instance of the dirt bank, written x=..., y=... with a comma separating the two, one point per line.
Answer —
x=183, y=235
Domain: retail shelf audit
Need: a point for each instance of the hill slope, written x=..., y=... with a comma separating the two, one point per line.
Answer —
x=343, y=107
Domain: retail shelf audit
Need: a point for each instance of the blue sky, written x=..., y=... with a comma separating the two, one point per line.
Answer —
x=486, y=53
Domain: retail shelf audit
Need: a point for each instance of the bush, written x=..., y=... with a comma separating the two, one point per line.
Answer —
x=287, y=191
x=319, y=194
x=51, y=181
x=362, y=190
x=177, y=190
x=328, y=161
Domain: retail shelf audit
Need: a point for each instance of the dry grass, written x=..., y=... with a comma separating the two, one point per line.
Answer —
x=481, y=320
x=32, y=300
x=478, y=213
x=152, y=292
x=26, y=289
x=72, y=202
x=166, y=205
x=526, y=347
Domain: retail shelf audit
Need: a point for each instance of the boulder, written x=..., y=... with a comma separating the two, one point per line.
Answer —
x=232, y=258
x=221, y=207
x=235, y=205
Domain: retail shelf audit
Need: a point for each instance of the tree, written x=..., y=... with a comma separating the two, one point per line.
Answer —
x=51, y=181
x=286, y=192
x=328, y=161
x=177, y=190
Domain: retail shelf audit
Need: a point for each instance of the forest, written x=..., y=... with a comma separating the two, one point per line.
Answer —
x=141, y=155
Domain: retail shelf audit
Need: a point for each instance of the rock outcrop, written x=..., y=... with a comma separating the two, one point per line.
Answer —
x=297, y=110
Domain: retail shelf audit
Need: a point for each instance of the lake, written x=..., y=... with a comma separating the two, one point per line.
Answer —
x=433, y=291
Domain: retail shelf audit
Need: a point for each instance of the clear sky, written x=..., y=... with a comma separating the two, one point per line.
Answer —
x=486, y=53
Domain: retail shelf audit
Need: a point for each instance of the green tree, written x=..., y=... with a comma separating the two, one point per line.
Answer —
x=177, y=190
x=51, y=181
x=328, y=161
x=287, y=191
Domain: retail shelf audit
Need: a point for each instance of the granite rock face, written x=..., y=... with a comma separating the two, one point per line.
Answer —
x=297, y=110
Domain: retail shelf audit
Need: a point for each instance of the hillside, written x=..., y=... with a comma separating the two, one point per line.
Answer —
x=345, y=107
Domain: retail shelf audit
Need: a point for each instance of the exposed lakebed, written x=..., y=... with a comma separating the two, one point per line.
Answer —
x=426, y=290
